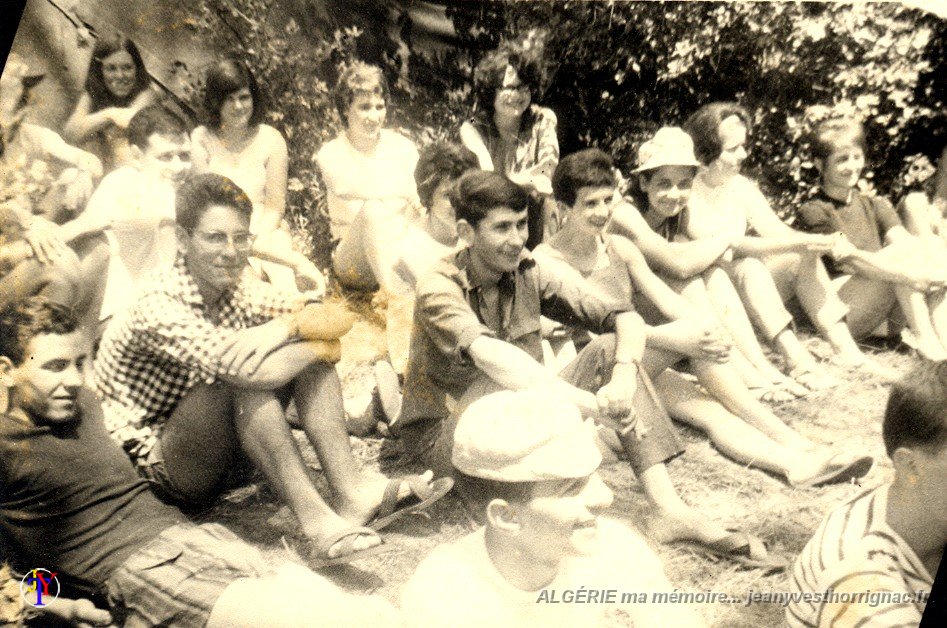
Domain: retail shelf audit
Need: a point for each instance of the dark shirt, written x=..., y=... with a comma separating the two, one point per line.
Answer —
x=864, y=220
x=69, y=499
x=450, y=314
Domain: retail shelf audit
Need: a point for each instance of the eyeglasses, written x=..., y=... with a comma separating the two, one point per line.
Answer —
x=242, y=241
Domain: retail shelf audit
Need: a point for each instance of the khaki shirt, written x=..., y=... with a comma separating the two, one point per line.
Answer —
x=450, y=314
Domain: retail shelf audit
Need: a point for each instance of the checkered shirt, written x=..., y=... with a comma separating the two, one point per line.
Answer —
x=156, y=351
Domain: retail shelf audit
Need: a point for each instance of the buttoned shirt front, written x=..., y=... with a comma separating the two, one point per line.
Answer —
x=153, y=353
x=451, y=312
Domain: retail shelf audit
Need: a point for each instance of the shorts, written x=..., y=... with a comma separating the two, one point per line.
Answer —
x=176, y=579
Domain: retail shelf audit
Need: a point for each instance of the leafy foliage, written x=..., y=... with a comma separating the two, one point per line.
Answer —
x=623, y=69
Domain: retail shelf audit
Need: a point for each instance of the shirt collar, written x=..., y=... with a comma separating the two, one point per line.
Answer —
x=470, y=281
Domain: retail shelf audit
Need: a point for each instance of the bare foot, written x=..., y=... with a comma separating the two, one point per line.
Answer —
x=361, y=507
x=684, y=524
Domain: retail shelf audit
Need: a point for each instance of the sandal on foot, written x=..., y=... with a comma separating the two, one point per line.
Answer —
x=423, y=494
x=346, y=537
x=840, y=468
x=742, y=548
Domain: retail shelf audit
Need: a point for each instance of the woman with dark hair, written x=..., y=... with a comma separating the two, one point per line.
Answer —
x=513, y=135
x=117, y=86
x=237, y=144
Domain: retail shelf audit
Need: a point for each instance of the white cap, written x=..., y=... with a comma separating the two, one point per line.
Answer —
x=525, y=436
x=670, y=146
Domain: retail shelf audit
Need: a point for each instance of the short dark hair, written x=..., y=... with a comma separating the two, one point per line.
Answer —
x=704, y=128
x=916, y=414
x=358, y=78
x=478, y=191
x=835, y=133
x=100, y=95
x=224, y=78
x=198, y=192
x=490, y=71
x=151, y=120
x=24, y=320
x=479, y=492
x=591, y=167
x=439, y=162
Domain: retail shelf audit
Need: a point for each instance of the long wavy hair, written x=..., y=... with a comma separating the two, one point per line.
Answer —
x=95, y=82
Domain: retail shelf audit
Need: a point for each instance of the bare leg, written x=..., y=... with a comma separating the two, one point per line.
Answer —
x=317, y=392
x=732, y=435
x=918, y=313
x=726, y=300
x=673, y=520
x=724, y=384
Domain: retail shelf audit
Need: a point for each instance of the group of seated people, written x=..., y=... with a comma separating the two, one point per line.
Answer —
x=161, y=338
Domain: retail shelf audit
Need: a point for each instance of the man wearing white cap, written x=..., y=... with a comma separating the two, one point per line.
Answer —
x=545, y=557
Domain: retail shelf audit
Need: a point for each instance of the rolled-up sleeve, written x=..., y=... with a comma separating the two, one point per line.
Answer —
x=446, y=317
x=567, y=298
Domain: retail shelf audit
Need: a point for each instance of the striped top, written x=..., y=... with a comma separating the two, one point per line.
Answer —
x=856, y=570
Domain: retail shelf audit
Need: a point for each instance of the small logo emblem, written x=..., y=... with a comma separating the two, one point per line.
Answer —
x=39, y=587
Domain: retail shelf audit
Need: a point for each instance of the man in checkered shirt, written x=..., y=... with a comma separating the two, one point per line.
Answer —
x=203, y=366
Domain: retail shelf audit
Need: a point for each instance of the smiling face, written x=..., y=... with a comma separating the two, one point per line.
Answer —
x=561, y=518
x=366, y=115
x=842, y=168
x=217, y=249
x=236, y=109
x=47, y=383
x=732, y=133
x=166, y=158
x=118, y=73
x=512, y=97
x=498, y=240
x=592, y=208
x=668, y=188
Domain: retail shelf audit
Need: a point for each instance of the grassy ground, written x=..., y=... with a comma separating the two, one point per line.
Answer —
x=723, y=490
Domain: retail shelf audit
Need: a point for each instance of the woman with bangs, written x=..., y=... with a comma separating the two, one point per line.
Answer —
x=117, y=87
x=513, y=135
x=237, y=144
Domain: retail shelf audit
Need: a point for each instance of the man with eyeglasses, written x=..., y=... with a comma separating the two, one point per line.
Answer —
x=203, y=366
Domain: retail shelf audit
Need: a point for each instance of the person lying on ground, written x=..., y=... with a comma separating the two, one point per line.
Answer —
x=772, y=262
x=477, y=324
x=586, y=186
x=871, y=561
x=881, y=269
x=203, y=366
x=531, y=462
x=70, y=500
x=236, y=143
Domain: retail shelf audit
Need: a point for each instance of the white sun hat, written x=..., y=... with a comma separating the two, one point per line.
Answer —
x=670, y=146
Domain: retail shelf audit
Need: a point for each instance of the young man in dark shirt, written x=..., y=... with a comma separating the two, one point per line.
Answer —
x=70, y=502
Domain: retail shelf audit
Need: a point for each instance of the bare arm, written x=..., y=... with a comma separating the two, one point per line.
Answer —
x=514, y=369
x=83, y=123
x=470, y=138
x=790, y=242
x=680, y=259
x=671, y=304
x=283, y=364
x=277, y=165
